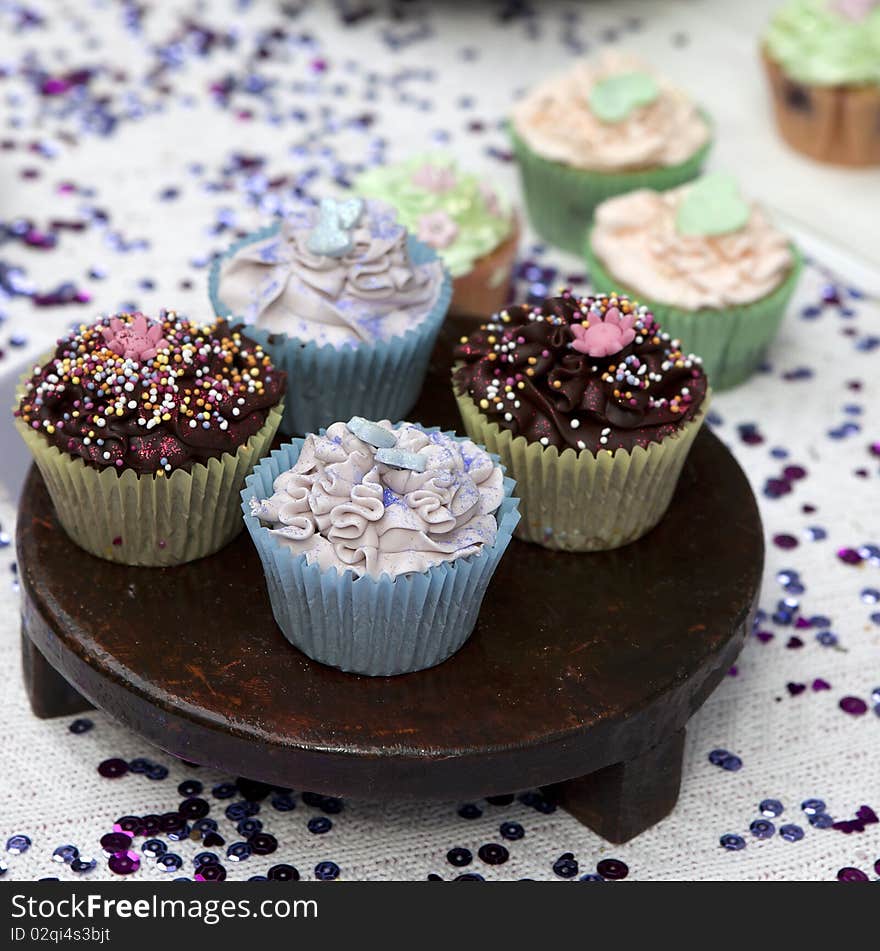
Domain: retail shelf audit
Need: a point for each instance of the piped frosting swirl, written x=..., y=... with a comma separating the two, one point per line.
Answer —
x=371, y=290
x=827, y=42
x=636, y=238
x=455, y=212
x=556, y=120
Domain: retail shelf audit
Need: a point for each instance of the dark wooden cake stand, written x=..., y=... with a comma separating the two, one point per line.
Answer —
x=581, y=674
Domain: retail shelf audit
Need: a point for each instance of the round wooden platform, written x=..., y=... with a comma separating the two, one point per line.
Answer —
x=580, y=664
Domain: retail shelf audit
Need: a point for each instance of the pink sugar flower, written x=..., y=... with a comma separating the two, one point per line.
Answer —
x=434, y=178
x=490, y=199
x=437, y=229
x=604, y=335
x=855, y=9
x=138, y=339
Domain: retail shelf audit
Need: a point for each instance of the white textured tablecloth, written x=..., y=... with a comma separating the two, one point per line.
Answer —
x=154, y=194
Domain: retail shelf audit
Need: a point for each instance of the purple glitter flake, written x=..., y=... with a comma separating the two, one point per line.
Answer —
x=785, y=541
x=114, y=842
x=18, y=844
x=113, y=768
x=854, y=706
x=124, y=863
x=612, y=869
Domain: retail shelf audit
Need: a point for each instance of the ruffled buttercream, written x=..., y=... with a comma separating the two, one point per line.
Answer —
x=340, y=507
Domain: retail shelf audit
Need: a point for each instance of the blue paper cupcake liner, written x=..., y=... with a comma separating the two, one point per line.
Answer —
x=378, y=380
x=363, y=625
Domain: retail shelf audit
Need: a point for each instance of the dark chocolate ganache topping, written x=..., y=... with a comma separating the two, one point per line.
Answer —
x=589, y=373
x=151, y=395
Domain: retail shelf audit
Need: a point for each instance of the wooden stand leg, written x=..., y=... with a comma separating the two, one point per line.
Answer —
x=621, y=801
x=50, y=694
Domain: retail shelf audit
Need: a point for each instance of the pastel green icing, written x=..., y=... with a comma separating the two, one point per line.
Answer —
x=615, y=98
x=712, y=205
x=816, y=42
x=479, y=228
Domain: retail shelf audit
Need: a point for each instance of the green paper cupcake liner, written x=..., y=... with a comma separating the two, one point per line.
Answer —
x=731, y=341
x=560, y=199
x=147, y=520
x=584, y=501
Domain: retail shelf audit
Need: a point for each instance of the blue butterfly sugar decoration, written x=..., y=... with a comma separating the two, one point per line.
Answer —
x=398, y=459
x=331, y=236
x=372, y=433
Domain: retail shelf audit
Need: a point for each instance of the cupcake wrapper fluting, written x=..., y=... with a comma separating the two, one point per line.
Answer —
x=731, y=341
x=560, y=199
x=147, y=520
x=486, y=288
x=378, y=380
x=378, y=627
x=834, y=124
x=580, y=501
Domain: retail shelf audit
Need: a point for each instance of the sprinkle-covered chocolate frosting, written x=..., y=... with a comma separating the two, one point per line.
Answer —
x=151, y=395
x=588, y=373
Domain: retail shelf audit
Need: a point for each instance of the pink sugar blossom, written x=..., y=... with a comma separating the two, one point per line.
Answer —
x=855, y=9
x=434, y=178
x=490, y=199
x=603, y=336
x=437, y=229
x=138, y=339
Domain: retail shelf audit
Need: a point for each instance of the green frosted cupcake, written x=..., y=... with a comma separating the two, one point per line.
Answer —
x=465, y=219
x=712, y=267
x=597, y=131
x=591, y=408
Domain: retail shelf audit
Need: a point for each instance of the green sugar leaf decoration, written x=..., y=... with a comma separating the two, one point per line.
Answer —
x=614, y=98
x=712, y=206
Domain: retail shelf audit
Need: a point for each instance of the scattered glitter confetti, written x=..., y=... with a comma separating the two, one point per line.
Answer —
x=854, y=706
x=305, y=118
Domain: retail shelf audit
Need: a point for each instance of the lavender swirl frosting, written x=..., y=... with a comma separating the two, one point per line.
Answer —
x=341, y=507
x=371, y=291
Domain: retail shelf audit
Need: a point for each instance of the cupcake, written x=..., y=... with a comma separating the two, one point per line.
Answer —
x=144, y=431
x=712, y=267
x=347, y=304
x=822, y=59
x=379, y=542
x=466, y=221
x=591, y=408
x=597, y=131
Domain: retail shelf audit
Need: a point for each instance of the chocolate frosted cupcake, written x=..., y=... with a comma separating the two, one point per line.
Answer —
x=592, y=409
x=347, y=303
x=379, y=542
x=144, y=431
